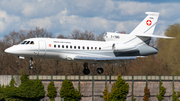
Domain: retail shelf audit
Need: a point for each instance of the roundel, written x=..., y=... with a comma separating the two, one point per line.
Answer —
x=148, y=22
x=49, y=45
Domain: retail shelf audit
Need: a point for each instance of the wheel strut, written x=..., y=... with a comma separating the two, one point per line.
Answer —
x=31, y=63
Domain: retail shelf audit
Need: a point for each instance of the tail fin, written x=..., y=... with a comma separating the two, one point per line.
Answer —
x=147, y=26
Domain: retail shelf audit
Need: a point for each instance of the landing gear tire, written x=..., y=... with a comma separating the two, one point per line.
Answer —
x=86, y=71
x=100, y=70
x=30, y=67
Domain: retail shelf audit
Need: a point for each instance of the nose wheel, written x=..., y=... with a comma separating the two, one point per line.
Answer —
x=30, y=67
x=31, y=63
x=86, y=70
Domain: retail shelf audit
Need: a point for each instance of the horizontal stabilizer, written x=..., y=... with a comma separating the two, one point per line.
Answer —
x=155, y=36
x=104, y=58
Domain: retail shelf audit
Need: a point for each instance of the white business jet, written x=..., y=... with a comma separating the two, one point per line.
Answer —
x=116, y=47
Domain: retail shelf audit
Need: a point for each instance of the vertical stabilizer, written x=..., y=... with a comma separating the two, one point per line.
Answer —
x=147, y=26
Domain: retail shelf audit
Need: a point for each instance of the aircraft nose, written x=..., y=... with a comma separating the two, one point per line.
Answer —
x=9, y=50
x=14, y=50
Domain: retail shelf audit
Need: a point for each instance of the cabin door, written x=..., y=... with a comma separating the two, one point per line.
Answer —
x=42, y=48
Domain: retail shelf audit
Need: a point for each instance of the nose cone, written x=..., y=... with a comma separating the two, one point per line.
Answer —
x=13, y=50
x=9, y=50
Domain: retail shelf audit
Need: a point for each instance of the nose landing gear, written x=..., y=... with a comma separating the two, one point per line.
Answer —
x=31, y=63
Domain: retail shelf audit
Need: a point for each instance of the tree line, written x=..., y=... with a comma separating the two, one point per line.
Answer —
x=166, y=62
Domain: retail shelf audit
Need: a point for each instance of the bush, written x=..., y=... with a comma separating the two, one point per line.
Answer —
x=24, y=78
x=29, y=90
x=162, y=92
x=39, y=91
x=106, y=94
x=134, y=99
x=9, y=92
x=146, y=93
x=174, y=96
x=1, y=95
x=119, y=91
x=51, y=91
x=68, y=92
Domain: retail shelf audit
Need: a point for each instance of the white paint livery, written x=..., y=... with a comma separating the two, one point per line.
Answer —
x=116, y=47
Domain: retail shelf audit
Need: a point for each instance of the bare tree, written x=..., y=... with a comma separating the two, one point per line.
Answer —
x=100, y=37
x=86, y=35
x=61, y=36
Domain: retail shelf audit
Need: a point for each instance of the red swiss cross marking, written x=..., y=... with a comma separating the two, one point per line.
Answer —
x=49, y=45
x=148, y=22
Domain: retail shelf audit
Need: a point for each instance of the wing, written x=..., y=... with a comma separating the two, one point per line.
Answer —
x=104, y=58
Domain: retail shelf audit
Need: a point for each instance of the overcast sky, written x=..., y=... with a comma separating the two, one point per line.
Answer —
x=63, y=16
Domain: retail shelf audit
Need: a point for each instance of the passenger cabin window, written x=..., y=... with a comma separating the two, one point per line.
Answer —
x=62, y=46
x=95, y=48
x=74, y=47
x=66, y=46
x=78, y=47
x=58, y=46
x=99, y=48
x=91, y=47
x=88, y=48
x=83, y=47
x=54, y=46
x=32, y=42
x=71, y=47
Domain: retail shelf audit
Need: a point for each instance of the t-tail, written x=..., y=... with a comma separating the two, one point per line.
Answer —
x=141, y=34
x=147, y=26
x=145, y=29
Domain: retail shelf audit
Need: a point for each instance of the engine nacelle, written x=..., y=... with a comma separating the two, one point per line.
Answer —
x=123, y=48
x=129, y=50
x=145, y=50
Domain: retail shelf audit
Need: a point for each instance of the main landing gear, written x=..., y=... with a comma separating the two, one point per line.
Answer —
x=31, y=63
x=100, y=69
x=86, y=70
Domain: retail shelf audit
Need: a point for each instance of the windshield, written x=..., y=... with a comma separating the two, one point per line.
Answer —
x=27, y=42
x=23, y=42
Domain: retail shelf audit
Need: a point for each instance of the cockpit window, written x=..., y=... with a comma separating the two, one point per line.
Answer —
x=32, y=42
x=23, y=42
x=28, y=42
